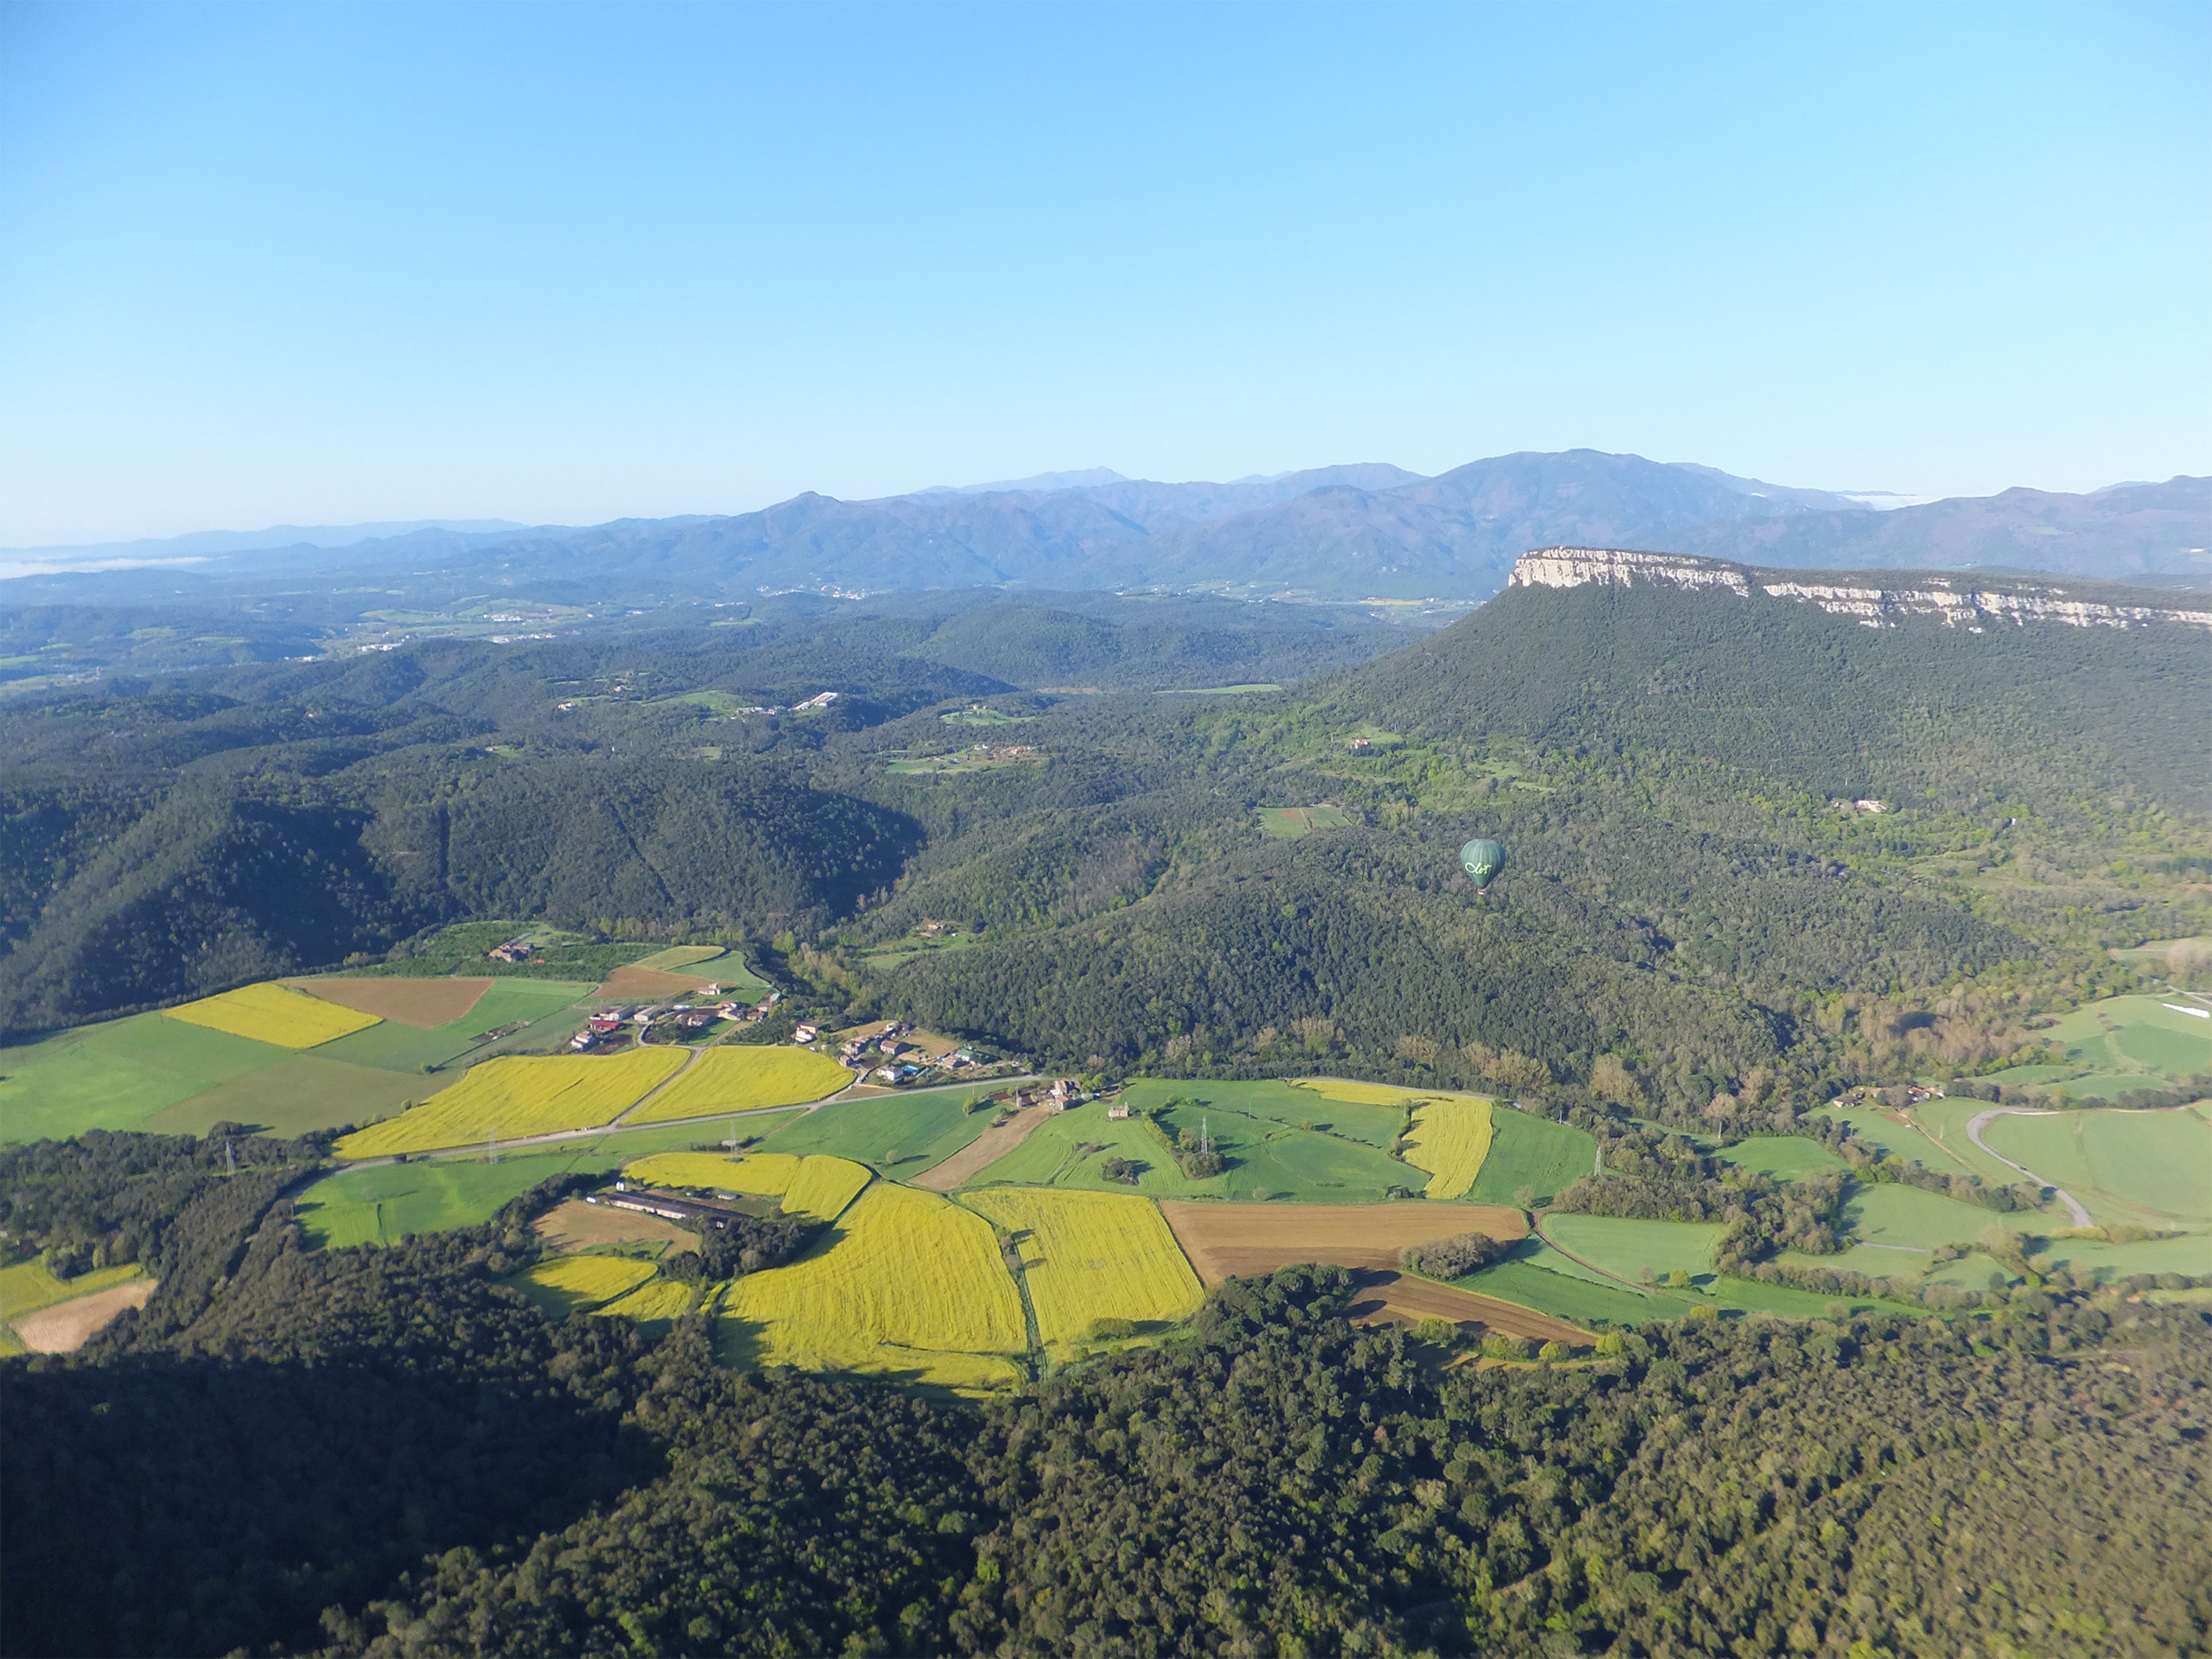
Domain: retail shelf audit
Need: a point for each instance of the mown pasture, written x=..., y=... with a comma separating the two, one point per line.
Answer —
x=908, y=1285
x=517, y=1096
x=273, y=1013
x=744, y=1077
x=1293, y=823
x=1448, y=1141
x=386, y=1202
x=1528, y=1278
x=1093, y=1256
x=2127, y=1042
x=898, y=1134
x=1894, y=1139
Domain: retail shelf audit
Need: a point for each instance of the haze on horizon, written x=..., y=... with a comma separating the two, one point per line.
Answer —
x=333, y=265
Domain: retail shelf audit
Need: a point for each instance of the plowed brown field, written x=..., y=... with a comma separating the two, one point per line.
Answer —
x=1392, y=1298
x=575, y=1226
x=418, y=1002
x=1229, y=1240
x=63, y=1328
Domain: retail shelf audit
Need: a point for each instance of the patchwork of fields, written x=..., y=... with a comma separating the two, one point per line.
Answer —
x=1010, y=1268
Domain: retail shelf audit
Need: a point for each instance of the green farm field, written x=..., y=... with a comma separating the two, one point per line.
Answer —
x=922, y=1130
x=2151, y=1168
x=292, y=1096
x=1262, y=1157
x=27, y=1287
x=118, y=1075
x=1527, y=1282
x=1625, y=1247
x=1277, y=1102
x=1785, y=1157
x=2137, y=1033
x=1533, y=1152
x=1292, y=823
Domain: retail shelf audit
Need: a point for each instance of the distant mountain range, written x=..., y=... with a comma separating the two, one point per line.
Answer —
x=1364, y=531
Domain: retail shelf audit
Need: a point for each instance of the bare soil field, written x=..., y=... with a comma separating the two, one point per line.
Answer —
x=1230, y=1240
x=575, y=1226
x=63, y=1328
x=984, y=1150
x=633, y=984
x=1387, y=1297
x=418, y=1002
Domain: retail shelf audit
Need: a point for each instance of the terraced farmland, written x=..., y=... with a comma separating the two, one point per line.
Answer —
x=744, y=1078
x=911, y=1285
x=515, y=1096
x=1093, y=1256
x=273, y=1013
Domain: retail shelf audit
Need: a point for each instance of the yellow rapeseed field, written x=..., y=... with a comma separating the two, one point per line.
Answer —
x=912, y=1285
x=1091, y=1255
x=270, y=1012
x=824, y=1185
x=744, y=1077
x=1449, y=1139
x=1353, y=1093
x=519, y=1095
x=569, y=1284
x=654, y=1302
x=709, y=1169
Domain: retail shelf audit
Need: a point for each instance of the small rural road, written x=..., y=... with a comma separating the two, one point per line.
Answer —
x=1974, y=1132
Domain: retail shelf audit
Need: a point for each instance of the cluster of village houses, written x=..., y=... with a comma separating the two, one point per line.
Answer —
x=610, y=1026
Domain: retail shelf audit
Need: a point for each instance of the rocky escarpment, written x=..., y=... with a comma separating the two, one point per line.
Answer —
x=1958, y=601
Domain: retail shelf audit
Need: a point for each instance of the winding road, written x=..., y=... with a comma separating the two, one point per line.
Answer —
x=1974, y=1133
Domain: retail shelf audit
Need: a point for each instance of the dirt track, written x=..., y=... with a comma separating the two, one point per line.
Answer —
x=62, y=1329
x=984, y=1150
x=418, y=1002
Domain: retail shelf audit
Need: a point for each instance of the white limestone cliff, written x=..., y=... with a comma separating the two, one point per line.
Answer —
x=1959, y=602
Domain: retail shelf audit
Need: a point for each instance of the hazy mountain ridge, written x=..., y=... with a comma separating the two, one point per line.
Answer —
x=1350, y=533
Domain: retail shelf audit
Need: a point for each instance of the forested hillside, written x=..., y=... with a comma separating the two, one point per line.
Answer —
x=1690, y=887
x=384, y=1450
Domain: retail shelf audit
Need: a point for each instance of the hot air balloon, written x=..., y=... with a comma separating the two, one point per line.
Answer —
x=1482, y=860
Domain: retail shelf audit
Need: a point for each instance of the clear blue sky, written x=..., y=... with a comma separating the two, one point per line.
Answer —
x=320, y=262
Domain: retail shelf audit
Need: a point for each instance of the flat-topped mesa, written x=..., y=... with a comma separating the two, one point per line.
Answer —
x=1961, y=601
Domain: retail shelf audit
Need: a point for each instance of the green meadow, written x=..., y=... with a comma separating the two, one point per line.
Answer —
x=537, y=1003
x=1785, y=1157
x=1262, y=1157
x=1277, y=1102
x=2150, y=1168
x=1883, y=1132
x=296, y=1094
x=1529, y=1278
x=1625, y=1247
x=1531, y=1152
x=896, y=1135
x=2127, y=1042
x=118, y=1074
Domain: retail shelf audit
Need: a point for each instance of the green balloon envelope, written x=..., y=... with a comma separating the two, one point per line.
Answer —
x=1483, y=860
